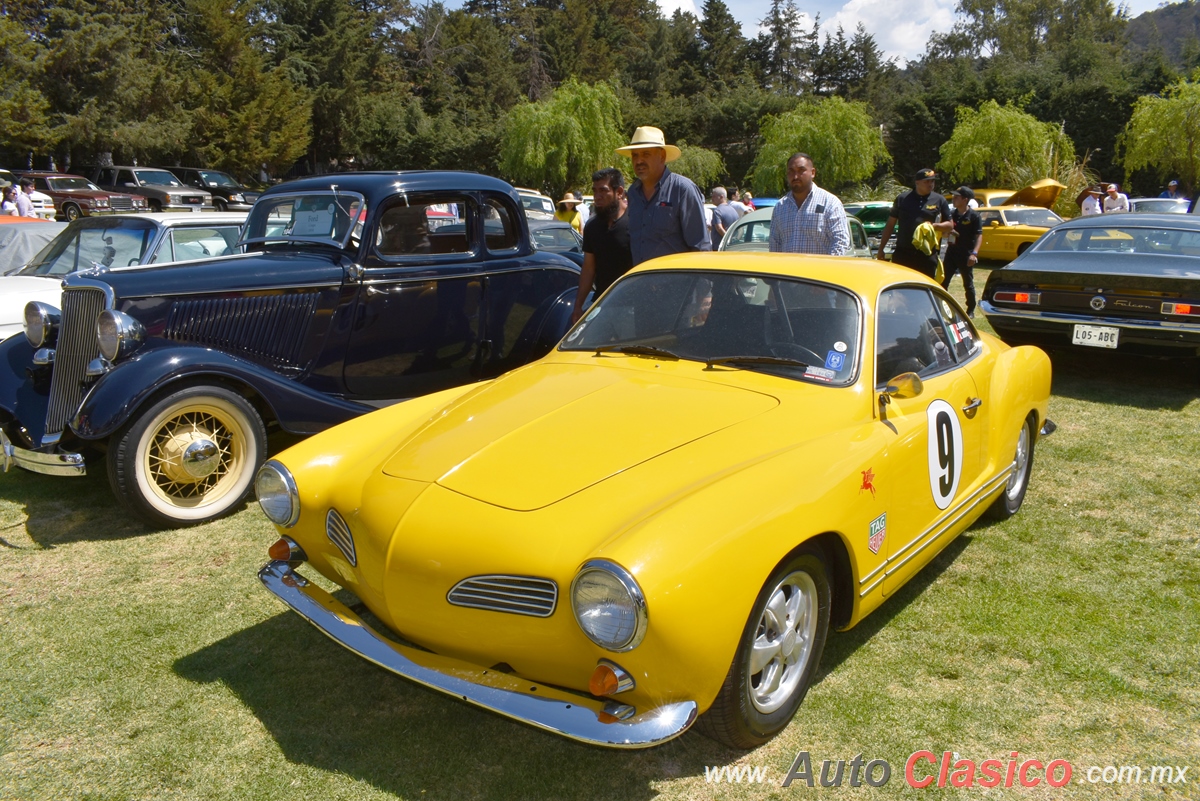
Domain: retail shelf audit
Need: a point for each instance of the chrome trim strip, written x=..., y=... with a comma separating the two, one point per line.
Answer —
x=228, y=292
x=1086, y=319
x=208, y=260
x=575, y=716
x=48, y=464
x=873, y=572
x=874, y=584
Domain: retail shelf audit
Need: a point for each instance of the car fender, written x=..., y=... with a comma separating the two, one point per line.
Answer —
x=117, y=396
x=1020, y=384
x=24, y=389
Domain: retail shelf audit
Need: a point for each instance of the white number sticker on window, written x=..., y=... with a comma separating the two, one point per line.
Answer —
x=945, y=452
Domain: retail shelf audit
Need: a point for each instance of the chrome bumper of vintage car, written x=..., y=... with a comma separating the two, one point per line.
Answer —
x=1168, y=330
x=576, y=716
x=51, y=464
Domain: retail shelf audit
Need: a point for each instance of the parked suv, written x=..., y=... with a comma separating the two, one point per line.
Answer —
x=162, y=190
x=75, y=196
x=227, y=193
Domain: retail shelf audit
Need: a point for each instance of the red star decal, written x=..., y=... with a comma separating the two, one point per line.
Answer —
x=868, y=482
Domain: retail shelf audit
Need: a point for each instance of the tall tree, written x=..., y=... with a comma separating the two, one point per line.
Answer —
x=724, y=45
x=1163, y=134
x=996, y=143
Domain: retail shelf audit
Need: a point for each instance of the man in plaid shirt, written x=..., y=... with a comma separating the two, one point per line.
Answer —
x=808, y=219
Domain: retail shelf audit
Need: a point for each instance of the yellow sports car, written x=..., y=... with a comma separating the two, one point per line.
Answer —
x=659, y=521
x=1012, y=221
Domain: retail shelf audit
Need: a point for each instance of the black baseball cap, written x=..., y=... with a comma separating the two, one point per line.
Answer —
x=965, y=191
x=925, y=174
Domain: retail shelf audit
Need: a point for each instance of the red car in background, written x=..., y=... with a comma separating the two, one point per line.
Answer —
x=75, y=196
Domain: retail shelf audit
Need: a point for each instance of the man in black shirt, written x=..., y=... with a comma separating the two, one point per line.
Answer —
x=965, y=239
x=606, y=253
x=912, y=207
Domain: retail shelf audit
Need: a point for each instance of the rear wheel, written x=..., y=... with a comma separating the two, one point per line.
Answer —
x=1010, y=500
x=190, y=458
x=71, y=212
x=1021, y=248
x=776, y=658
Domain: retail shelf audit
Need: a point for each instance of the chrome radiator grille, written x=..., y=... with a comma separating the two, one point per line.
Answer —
x=339, y=534
x=76, y=347
x=120, y=203
x=518, y=595
x=269, y=329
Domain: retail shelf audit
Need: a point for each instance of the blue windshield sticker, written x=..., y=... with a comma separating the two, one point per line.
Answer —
x=834, y=360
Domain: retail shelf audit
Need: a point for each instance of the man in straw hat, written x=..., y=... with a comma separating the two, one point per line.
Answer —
x=666, y=210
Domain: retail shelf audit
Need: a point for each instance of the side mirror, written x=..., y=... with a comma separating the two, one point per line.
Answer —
x=905, y=385
x=994, y=224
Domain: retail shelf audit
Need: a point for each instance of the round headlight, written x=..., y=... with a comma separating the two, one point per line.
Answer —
x=277, y=495
x=41, y=321
x=118, y=334
x=609, y=605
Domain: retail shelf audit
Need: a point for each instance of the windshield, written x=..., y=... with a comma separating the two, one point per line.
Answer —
x=323, y=217
x=63, y=184
x=1160, y=241
x=1041, y=218
x=707, y=315
x=119, y=244
x=532, y=203
x=210, y=178
x=156, y=178
x=757, y=232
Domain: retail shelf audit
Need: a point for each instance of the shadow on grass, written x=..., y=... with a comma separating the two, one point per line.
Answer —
x=332, y=710
x=61, y=509
x=1120, y=379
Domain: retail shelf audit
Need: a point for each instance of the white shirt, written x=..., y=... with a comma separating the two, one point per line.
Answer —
x=1091, y=206
x=1118, y=203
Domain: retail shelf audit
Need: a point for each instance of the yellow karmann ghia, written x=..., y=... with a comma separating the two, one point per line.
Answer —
x=659, y=521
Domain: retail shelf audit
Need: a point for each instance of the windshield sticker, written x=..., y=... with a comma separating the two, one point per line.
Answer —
x=575, y=334
x=820, y=373
x=868, y=481
x=834, y=360
x=839, y=346
x=877, y=533
x=592, y=313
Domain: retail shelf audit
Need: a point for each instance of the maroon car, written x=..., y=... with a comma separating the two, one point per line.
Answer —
x=75, y=196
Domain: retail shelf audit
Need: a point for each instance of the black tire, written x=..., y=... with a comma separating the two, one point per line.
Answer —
x=1009, y=502
x=1024, y=246
x=155, y=206
x=218, y=430
x=71, y=212
x=746, y=712
x=220, y=205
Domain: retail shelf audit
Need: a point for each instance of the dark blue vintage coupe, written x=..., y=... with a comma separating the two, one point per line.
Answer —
x=352, y=291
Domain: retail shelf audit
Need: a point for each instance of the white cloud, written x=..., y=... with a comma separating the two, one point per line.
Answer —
x=669, y=6
x=900, y=29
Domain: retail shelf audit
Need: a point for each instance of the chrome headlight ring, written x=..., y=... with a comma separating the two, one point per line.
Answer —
x=609, y=605
x=277, y=494
x=118, y=334
x=41, y=323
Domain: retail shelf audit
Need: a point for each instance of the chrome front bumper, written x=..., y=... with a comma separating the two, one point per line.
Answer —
x=50, y=464
x=576, y=716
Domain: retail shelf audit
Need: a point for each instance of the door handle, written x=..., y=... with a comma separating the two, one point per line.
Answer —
x=972, y=405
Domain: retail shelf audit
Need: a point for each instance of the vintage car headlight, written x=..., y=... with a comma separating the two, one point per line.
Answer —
x=609, y=605
x=277, y=495
x=101, y=203
x=41, y=321
x=119, y=334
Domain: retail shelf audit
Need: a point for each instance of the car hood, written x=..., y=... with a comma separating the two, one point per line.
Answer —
x=551, y=430
x=17, y=290
x=1039, y=193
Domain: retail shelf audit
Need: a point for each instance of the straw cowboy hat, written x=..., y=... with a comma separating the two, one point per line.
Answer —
x=569, y=198
x=647, y=137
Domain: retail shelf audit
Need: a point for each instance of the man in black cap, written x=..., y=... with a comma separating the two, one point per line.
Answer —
x=913, y=207
x=963, y=249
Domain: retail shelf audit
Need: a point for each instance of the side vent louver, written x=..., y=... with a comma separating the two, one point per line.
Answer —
x=518, y=595
x=339, y=534
x=268, y=329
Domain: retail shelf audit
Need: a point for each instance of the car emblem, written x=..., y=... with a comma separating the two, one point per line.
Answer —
x=1097, y=303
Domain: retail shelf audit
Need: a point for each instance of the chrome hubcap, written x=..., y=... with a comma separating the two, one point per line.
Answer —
x=201, y=457
x=1016, y=479
x=783, y=642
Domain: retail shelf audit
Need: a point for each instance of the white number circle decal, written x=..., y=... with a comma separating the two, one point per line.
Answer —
x=945, y=452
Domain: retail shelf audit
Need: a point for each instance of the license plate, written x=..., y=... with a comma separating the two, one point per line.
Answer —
x=1095, y=336
x=198, y=208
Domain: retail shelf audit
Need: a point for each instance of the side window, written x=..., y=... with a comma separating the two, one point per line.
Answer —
x=964, y=340
x=190, y=244
x=41, y=185
x=858, y=235
x=125, y=177
x=424, y=227
x=107, y=176
x=909, y=337
x=989, y=217
x=499, y=227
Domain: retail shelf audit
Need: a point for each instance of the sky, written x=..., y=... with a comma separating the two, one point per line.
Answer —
x=901, y=29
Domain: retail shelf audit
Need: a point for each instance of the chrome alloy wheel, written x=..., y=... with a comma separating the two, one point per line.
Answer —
x=1020, y=467
x=783, y=642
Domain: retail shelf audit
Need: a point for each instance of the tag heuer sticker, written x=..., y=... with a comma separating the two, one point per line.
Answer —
x=878, y=530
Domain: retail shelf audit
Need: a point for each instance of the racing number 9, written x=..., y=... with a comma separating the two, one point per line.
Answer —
x=945, y=452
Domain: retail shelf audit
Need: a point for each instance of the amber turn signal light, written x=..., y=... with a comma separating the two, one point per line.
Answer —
x=609, y=678
x=285, y=550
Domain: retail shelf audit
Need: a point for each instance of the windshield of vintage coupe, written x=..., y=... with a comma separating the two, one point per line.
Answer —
x=706, y=315
x=324, y=217
x=116, y=242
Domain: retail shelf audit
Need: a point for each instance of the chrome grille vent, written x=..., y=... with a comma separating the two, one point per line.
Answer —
x=76, y=347
x=269, y=329
x=519, y=595
x=120, y=203
x=339, y=534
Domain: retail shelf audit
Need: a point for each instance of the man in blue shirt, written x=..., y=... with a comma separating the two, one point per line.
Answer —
x=808, y=219
x=666, y=210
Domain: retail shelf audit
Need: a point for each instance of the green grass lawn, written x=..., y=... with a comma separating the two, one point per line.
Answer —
x=151, y=665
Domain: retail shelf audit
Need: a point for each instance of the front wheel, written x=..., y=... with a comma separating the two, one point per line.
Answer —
x=220, y=205
x=71, y=212
x=1010, y=500
x=190, y=458
x=776, y=658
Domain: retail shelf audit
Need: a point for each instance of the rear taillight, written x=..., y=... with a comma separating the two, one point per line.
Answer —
x=1189, y=309
x=1027, y=298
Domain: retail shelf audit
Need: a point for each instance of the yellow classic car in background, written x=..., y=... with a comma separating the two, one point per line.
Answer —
x=661, y=519
x=1012, y=221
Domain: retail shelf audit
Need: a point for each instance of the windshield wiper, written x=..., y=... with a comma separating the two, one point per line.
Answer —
x=638, y=350
x=710, y=363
